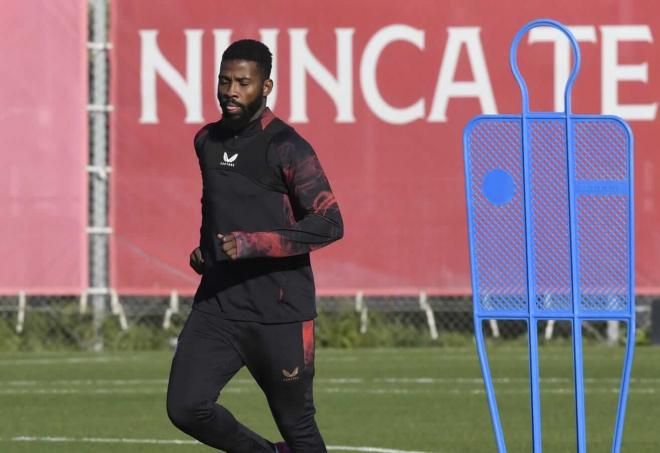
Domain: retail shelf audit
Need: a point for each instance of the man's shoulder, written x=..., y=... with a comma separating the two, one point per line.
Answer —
x=285, y=134
x=202, y=133
x=206, y=128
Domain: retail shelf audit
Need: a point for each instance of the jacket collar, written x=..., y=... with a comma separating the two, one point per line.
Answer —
x=253, y=127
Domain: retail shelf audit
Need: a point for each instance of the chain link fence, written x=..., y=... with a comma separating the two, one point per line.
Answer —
x=138, y=322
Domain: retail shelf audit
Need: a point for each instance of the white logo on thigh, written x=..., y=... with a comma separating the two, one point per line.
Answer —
x=291, y=375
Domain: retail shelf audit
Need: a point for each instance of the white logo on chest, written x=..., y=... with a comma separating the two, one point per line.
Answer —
x=228, y=161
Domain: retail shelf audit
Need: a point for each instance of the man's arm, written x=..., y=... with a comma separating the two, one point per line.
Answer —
x=196, y=259
x=314, y=213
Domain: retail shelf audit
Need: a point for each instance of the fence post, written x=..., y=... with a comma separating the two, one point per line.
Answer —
x=98, y=169
x=361, y=308
x=172, y=309
x=655, y=322
x=22, y=307
x=613, y=333
x=430, y=318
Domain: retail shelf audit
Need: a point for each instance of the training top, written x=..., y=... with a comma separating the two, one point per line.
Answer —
x=263, y=184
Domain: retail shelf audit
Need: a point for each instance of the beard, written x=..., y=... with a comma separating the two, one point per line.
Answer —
x=245, y=113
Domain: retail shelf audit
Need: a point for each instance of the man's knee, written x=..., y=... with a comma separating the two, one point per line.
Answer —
x=301, y=434
x=186, y=414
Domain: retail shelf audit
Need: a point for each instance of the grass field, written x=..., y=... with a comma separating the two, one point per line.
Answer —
x=381, y=400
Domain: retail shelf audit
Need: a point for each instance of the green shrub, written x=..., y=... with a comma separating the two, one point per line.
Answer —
x=47, y=331
x=143, y=336
x=67, y=329
x=342, y=330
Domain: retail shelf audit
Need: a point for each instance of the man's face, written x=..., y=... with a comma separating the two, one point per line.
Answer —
x=241, y=91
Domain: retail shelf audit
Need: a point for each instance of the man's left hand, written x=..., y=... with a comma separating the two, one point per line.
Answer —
x=229, y=245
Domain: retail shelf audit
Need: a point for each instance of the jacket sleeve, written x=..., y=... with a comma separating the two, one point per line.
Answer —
x=205, y=245
x=198, y=143
x=314, y=217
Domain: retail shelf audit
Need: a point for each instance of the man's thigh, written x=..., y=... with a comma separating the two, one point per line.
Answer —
x=205, y=358
x=281, y=359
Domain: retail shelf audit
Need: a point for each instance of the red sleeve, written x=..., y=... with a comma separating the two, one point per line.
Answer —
x=315, y=217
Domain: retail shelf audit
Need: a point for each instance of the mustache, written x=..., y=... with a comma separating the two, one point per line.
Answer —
x=228, y=102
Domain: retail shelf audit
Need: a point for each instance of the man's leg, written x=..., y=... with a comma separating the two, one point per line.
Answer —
x=281, y=359
x=204, y=361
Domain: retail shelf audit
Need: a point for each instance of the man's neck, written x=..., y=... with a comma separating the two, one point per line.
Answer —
x=259, y=112
x=256, y=116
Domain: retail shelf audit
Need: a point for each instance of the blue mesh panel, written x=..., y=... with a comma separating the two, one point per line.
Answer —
x=603, y=251
x=601, y=157
x=498, y=220
x=550, y=211
x=601, y=150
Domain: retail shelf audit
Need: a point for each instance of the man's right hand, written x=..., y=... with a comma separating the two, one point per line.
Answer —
x=197, y=261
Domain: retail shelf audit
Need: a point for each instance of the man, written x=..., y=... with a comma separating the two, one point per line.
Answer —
x=266, y=204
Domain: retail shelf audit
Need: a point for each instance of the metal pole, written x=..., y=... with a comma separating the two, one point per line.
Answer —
x=613, y=333
x=655, y=322
x=98, y=109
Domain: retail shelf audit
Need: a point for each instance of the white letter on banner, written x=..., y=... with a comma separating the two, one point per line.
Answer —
x=368, y=79
x=188, y=89
x=447, y=87
x=269, y=37
x=582, y=33
x=340, y=89
x=614, y=72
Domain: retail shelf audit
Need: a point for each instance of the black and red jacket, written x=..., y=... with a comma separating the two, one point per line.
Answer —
x=265, y=185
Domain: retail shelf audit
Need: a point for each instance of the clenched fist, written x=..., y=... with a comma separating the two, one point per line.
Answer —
x=229, y=245
x=197, y=261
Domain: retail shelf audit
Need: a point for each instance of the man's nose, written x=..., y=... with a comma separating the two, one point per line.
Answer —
x=232, y=91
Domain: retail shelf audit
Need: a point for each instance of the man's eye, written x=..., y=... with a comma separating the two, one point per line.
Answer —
x=244, y=83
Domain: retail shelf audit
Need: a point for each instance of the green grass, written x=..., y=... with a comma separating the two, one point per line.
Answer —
x=412, y=399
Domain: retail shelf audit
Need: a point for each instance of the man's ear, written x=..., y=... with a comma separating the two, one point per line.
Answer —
x=267, y=87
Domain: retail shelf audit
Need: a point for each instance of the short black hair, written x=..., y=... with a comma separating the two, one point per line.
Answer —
x=251, y=50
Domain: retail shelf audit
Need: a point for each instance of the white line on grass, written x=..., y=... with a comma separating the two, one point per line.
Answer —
x=127, y=382
x=554, y=391
x=84, y=382
x=78, y=391
x=82, y=360
x=423, y=381
x=370, y=449
x=332, y=390
x=66, y=360
x=101, y=440
x=506, y=380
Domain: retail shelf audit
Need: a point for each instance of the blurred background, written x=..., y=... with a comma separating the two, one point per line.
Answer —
x=100, y=206
x=99, y=210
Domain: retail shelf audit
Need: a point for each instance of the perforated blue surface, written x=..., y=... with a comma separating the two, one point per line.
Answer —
x=602, y=200
x=497, y=230
x=550, y=225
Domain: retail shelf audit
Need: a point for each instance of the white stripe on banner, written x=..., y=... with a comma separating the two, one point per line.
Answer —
x=101, y=440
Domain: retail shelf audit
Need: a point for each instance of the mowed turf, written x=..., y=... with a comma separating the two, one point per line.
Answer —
x=422, y=400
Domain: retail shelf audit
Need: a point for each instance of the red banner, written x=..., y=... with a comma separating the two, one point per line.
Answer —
x=382, y=90
x=43, y=133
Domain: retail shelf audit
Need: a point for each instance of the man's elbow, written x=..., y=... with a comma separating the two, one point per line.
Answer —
x=338, y=230
x=337, y=234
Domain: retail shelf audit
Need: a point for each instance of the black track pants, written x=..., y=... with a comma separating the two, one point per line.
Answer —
x=280, y=357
